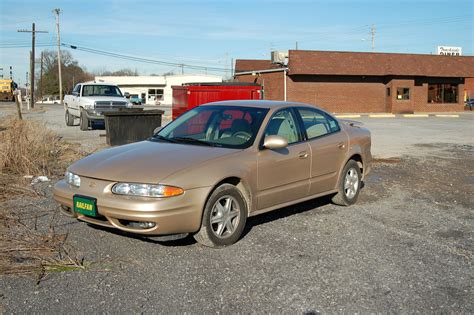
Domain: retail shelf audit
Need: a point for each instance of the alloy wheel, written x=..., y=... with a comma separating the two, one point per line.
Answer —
x=225, y=216
x=351, y=183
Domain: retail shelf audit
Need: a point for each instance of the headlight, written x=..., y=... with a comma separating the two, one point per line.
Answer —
x=72, y=179
x=146, y=190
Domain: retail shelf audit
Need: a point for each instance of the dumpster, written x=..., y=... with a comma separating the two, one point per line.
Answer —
x=131, y=125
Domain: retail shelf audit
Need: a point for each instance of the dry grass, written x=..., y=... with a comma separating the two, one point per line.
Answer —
x=27, y=249
x=29, y=148
x=26, y=246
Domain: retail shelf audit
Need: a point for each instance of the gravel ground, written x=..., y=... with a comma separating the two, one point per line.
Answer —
x=406, y=246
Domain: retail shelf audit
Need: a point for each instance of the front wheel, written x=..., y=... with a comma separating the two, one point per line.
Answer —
x=83, y=121
x=224, y=217
x=349, y=185
x=69, y=119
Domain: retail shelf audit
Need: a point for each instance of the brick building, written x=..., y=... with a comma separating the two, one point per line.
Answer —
x=353, y=82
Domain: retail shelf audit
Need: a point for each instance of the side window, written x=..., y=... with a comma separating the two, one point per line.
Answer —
x=283, y=124
x=317, y=123
x=77, y=89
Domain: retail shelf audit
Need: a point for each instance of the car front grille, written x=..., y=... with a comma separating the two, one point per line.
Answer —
x=108, y=105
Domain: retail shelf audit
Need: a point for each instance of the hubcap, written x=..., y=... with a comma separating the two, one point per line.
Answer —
x=351, y=183
x=225, y=216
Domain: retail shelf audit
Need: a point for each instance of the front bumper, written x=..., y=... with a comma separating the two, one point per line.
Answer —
x=180, y=214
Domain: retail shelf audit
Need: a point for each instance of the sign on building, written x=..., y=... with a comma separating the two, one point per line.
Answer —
x=449, y=51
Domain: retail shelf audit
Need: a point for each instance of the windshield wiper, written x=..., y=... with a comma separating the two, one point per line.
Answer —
x=192, y=140
x=158, y=137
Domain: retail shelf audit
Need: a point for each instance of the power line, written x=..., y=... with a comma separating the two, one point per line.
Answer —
x=33, y=32
x=145, y=60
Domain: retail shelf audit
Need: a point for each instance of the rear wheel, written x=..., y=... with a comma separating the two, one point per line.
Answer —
x=83, y=121
x=69, y=119
x=349, y=185
x=224, y=217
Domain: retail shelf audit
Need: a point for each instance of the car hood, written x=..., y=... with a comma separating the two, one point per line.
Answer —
x=104, y=98
x=145, y=162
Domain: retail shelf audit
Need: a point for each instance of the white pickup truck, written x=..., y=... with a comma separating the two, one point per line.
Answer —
x=90, y=100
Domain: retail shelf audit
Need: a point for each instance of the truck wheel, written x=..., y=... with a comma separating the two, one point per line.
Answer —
x=69, y=119
x=83, y=121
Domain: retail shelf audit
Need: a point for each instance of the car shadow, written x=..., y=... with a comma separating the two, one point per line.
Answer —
x=278, y=214
x=257, y=220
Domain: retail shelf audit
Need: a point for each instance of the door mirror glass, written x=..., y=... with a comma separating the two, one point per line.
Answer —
x=275, y=142
x=75, y=93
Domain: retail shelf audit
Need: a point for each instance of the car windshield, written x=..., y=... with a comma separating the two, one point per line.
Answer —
x=220, y=126
x=101, y=90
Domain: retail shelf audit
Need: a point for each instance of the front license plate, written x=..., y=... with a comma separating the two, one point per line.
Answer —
x=85, y=205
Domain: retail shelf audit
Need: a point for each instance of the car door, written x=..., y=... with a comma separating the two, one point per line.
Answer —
x=329, y=145
x=283, y=174
x=75, y=98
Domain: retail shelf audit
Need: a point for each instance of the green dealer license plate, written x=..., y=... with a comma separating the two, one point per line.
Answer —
x=85, y=205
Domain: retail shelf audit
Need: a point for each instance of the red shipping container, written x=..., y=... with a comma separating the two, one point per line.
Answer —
x=191, y=95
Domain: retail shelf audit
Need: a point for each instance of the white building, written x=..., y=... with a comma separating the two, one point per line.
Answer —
x=154, y=90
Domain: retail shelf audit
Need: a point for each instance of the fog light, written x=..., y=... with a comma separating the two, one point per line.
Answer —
x=138, y=224
x=146, y=225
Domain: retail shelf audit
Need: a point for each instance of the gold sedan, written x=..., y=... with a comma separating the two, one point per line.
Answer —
x=214, y=166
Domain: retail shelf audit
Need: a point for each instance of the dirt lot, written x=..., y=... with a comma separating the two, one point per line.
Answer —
x=406, y=246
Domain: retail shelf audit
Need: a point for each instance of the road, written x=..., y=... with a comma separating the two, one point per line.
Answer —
x=406, y=246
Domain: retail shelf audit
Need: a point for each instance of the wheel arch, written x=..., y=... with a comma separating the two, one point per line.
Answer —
x=358, y=158
x=240, y=184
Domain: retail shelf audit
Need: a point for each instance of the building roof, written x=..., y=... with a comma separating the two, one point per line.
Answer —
x=158, y=80
x=311, y=62
x=378, y=64
x=242, y=65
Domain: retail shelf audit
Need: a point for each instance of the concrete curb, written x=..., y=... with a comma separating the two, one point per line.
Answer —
x=415, y=115
x=382, y=116
x=344, y=116
x=445, y=116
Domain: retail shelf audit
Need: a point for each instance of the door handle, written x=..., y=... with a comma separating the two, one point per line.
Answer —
x=341, y=145
x=303, y=155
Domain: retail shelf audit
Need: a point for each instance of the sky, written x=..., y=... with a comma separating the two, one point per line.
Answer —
x=213, y=33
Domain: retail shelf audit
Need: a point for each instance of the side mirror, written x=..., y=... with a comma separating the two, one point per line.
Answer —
x=275, y=142
x=75, y=93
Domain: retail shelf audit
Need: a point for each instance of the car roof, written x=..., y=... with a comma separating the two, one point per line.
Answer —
x=98, y=83
x=259, y=104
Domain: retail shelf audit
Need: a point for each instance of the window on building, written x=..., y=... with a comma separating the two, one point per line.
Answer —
x=443, y=93
x=403, y=93
x=155, y=94
x=388, y=91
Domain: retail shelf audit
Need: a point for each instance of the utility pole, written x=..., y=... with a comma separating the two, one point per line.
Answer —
x=32, y=81
x=41, y=77
x=372, y=32
x=32, y=60
x=57, y=11
x=27, y=88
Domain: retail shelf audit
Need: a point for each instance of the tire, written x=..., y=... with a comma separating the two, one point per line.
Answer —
x=69, y=119
x=228, y=219
x=83, y=121
x=349, y=185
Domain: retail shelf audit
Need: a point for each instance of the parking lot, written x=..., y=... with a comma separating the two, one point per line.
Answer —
x=406, y=246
